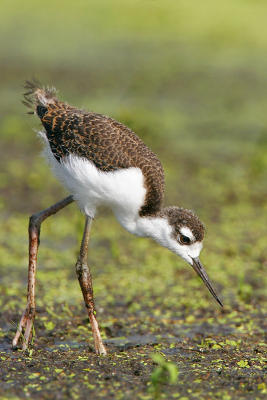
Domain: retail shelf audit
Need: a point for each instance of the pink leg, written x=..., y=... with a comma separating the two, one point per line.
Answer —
x=85, y=280
x=27, y=319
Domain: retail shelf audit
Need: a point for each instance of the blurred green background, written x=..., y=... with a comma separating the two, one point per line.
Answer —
x=189, y=78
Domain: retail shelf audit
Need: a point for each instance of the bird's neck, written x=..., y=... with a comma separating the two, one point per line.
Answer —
x=154, y=227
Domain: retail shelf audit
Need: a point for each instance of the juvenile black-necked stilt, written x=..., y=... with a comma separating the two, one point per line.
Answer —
x=101, y=161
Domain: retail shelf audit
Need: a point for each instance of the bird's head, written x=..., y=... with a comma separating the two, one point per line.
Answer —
x=182, y=232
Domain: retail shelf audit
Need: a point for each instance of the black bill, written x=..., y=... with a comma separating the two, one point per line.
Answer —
x=198, y=267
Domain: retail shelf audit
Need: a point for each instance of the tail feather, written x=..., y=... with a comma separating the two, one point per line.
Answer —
x=36, y=95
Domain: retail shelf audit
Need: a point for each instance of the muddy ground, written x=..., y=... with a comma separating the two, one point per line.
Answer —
x=218, y=356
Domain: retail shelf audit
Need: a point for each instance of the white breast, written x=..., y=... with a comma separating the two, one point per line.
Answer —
x=123, y=190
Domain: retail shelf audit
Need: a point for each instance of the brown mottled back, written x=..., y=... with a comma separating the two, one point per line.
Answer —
x=109, y=144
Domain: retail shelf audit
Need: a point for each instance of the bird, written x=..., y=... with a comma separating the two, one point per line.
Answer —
x=100, y=161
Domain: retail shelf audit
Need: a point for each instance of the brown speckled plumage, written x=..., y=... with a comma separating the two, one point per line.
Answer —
x=109, y=144
x=179, y=217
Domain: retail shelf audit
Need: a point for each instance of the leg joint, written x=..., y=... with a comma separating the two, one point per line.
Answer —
x=90, y=308
x=81, y=268
x=34, y=221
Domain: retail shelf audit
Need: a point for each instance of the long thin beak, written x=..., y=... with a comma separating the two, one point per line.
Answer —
x=198, y=267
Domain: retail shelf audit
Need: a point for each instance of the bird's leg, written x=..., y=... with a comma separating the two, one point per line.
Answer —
x=85, y=280
x=26, y=323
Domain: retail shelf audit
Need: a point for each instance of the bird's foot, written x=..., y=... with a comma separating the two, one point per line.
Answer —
x=25, y=328
x=99, y=346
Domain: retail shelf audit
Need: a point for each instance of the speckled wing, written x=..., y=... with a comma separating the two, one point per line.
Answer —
x=107, y=143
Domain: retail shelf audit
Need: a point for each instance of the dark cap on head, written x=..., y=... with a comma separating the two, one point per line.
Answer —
x=179, y=217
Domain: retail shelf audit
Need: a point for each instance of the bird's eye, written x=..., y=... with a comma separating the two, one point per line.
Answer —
x=184, y=239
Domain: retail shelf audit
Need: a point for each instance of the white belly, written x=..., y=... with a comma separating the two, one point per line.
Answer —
x=122, y=190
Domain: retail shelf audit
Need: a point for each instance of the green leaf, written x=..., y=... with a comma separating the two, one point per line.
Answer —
x=243, y=364
x=58, y=370
x=173, y=372
x=49, y=326
x=158, y=358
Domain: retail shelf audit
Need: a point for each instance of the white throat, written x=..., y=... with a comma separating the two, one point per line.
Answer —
x=156, y=228
x=159, y=229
